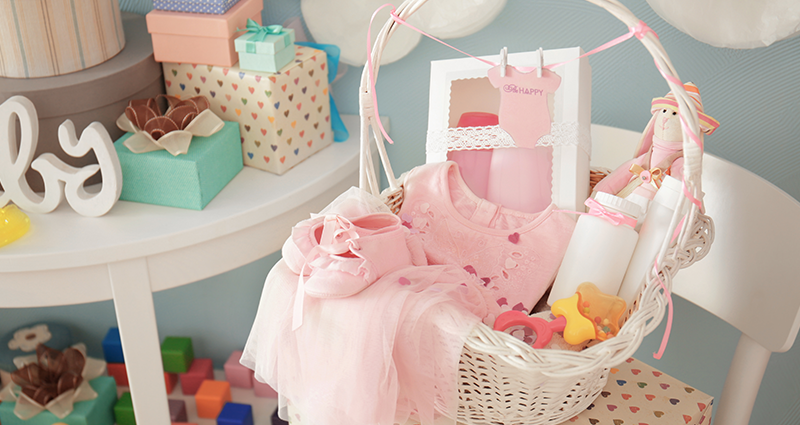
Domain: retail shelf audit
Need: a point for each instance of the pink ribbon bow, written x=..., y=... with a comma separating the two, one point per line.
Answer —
x=598, y=210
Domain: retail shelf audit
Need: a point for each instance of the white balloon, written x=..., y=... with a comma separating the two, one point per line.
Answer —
x=456, y=18
x=736, y=24
x=345, y=22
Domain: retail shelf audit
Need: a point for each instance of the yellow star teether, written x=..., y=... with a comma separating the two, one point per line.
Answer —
x=590, y=314
x=13, y=224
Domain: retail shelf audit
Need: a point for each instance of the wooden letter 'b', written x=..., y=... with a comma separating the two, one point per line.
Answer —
x=60, y=179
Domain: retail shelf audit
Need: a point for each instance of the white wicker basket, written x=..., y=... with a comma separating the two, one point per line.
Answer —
x=503, y=380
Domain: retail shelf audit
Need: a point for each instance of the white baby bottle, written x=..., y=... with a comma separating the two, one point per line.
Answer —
x=654, y=229
x=600, y=248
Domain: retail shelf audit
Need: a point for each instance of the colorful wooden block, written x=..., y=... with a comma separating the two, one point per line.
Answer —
x=177, y=354
x=177, y=411
x=239, y=376
x=211, y=398
x=119, y=372
x=171, y=379
x=123, y=410
x=99, y=411
x=200, y=370
x=112, y=347
x=263, y=390
x=235, y=414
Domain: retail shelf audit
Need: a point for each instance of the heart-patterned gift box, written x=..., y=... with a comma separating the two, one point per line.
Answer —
x=284, y=117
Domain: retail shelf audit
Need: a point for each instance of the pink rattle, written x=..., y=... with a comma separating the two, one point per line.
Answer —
x=542, y=328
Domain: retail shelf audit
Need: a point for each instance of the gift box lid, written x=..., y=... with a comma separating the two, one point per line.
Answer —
x=119, y=78
x=270, y=44
x=203, y=25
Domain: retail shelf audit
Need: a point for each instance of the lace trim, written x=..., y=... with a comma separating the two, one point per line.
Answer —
x=492, y=137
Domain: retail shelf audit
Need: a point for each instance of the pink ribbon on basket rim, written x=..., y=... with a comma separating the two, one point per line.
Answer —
x=640, y=31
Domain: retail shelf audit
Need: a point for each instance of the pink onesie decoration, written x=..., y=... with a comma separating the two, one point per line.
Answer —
x=515, y=254
x=523, y=103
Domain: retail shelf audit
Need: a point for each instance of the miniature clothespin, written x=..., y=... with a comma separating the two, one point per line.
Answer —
x=503, y=61
x=541, y=63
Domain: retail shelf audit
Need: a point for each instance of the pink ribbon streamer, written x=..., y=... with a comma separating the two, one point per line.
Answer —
x=640, y=30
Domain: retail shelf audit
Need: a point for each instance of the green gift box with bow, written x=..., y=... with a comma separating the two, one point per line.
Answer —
x=265, y=48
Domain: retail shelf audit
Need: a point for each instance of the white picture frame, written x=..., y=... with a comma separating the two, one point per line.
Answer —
x=466, y=80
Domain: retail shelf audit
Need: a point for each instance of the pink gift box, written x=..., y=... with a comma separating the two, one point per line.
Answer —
x=200, y=38
x=199, y=371
x=238, y=375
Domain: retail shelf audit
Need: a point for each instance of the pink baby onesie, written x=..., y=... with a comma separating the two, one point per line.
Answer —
x=515, y=254
x=523, y=103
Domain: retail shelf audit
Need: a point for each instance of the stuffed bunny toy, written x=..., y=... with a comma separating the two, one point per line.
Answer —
x=660, y=150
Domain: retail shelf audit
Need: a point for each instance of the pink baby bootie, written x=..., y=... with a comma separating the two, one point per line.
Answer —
x=342, y=257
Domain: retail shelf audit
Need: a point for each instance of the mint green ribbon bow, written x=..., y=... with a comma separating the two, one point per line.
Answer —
x=260, y=32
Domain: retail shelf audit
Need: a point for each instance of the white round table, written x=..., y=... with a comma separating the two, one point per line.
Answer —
x=137, y=249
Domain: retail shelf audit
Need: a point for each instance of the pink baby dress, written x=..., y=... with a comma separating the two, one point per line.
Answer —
x=515, y=254
x=375, y=357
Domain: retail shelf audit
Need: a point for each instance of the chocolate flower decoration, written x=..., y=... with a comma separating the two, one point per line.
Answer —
x=52, y=380
x=53, y=374
x=173, y=130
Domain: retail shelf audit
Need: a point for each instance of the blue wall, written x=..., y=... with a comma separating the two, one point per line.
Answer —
x=753, y=93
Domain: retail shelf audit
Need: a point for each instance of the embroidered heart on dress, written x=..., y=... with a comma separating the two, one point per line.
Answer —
x=502, y=301
x=511, y=264
x=513, y=238
x=404, y=281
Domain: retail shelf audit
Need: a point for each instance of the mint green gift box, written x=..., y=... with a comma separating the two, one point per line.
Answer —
x=99, y=411
x=189, y=180
x=266, y=49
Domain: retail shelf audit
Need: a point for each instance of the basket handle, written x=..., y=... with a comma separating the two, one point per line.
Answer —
x=692, y=143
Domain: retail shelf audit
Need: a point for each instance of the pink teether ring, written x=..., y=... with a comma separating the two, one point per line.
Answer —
x=542, y=328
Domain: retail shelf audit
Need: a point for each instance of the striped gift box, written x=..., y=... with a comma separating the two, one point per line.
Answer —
x=215, y=7
x=44, y=38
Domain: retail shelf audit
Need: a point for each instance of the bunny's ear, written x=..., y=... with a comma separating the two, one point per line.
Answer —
x=647, y=138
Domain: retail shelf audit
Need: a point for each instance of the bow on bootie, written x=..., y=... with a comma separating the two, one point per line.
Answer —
x=172, y=130
x=336, y=257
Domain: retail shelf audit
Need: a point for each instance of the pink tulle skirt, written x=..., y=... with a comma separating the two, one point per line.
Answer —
x=374, y=358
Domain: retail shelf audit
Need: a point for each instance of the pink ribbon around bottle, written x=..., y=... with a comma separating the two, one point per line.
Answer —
x=596, y=209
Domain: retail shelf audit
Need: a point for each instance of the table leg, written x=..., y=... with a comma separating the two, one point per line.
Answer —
x=136, y=318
